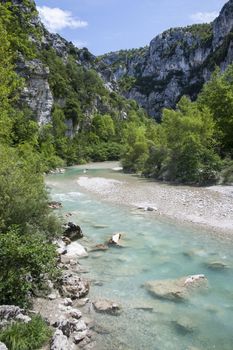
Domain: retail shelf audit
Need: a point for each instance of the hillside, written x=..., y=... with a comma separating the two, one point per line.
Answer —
x=177, y=62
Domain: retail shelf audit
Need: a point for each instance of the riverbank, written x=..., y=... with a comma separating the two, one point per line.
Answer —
x=208, y=207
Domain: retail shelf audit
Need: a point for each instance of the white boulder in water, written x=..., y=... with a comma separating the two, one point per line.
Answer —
x=115, y=239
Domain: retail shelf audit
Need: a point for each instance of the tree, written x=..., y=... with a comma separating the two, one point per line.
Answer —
x=217, y=95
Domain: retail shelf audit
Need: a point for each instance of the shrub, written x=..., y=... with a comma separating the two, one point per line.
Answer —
x=30, y=336
x=24, y=259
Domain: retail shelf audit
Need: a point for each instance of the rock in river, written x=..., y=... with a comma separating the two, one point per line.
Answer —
x=114, y=240
x=176, y=289
x=107, y=306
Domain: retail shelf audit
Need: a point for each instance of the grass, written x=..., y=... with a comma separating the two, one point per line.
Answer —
x=26, y=336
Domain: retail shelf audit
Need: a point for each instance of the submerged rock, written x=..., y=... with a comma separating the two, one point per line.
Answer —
x=184, y=325
x=216, y=265
x=176, y=289
x=107, y=306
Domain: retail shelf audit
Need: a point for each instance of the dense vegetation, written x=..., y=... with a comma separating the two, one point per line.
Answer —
x=193, y=144
x=26, y=223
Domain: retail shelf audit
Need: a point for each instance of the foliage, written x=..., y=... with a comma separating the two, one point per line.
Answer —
x=217, y=95
x=181, y=149
x=23, y=261
x=30, y=336
x=23, y=196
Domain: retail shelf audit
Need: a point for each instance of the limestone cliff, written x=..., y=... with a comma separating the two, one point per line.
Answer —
x=177, y=62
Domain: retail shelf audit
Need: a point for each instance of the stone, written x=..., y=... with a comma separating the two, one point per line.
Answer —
x=73, y=286
x=73, y=231
x=114, y=240
x=78, y=337
x=23, y=318
x=99, y=247
x=59, y=341
x=75, y=250
x=75, y=313
x=67, y=302
x=52, y=296
x=184, y=325
x=107, y=306
x=216, y=265
x=3, y=346
x=176, y=289
x=55, y=205
x=80, y=326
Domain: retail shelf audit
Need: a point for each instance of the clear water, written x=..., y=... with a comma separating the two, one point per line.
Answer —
x=153, y=250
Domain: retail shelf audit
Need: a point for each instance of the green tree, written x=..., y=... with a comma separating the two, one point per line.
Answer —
x=217, y=95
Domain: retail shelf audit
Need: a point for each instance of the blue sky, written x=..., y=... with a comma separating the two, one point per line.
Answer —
x=110, y=25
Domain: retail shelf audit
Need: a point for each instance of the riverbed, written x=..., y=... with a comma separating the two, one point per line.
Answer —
x=154, y=248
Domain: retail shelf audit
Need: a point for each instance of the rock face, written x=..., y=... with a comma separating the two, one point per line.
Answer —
x=36, y=94
x=177, y=62
x=177, y=289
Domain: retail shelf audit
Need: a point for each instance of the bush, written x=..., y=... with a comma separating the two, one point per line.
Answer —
x=24, y=259
x=30, y=336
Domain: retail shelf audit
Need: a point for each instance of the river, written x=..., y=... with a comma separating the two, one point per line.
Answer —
x=153, y=249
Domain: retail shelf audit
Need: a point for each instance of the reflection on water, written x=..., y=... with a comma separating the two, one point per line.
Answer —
x=152, y=250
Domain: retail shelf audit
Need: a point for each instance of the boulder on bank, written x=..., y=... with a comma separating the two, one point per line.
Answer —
x=107, y=307
x=73, y=286
x=11, y=313
x=55, y=205
x=75, y=250
x=3, y=346
x=176, y=289
x=73, y=231
x=59, y=341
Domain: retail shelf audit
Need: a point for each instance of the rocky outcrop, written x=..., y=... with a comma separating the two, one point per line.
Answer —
x=177, y=62
x=36, y=94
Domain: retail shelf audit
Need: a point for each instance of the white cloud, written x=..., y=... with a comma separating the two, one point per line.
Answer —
x=56, y=19
x=204, y=17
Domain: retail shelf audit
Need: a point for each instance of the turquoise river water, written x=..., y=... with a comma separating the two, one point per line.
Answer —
x=153, y=250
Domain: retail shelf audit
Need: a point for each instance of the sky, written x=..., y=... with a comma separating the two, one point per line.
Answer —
x=110, y=25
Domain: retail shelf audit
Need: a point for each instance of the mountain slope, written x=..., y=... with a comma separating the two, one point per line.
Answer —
x=177, y=62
